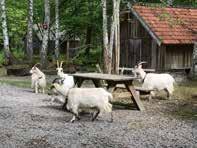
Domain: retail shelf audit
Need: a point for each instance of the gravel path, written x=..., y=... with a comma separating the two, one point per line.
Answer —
x=33, y=121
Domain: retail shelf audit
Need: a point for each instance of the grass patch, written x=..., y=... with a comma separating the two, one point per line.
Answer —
x=17, y=83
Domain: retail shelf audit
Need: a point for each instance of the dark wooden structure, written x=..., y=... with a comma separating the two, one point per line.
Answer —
x=112, y=81
x=68, y=45
x=164, y=37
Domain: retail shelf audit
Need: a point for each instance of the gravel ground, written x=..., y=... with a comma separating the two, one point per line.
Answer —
x=34, y=121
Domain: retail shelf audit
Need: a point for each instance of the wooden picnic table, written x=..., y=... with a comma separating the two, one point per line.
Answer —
x=112, y=81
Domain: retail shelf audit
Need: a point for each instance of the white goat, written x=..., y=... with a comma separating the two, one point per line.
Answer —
x=38, y=79
x=97, y=98
x=68, y=80
x=155, y=81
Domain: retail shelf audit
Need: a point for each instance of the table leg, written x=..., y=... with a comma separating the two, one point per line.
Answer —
x=78, y=82
x=136, y=96
x=97, y=83
x=110, y=86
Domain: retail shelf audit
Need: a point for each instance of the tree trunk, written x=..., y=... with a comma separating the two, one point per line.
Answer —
x=43, y=53
x=117, y=40
x=105, y=38
x=7, y=53
x=112, y=33
x=29, y=47
x=56, y=29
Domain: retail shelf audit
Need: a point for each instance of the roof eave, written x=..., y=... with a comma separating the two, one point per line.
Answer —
x=145, y=25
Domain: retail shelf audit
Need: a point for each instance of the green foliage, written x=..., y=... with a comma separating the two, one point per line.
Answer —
x=17, y=21
x=1, y=58
x=75, y=17
x=88, y=60
x=18, y=53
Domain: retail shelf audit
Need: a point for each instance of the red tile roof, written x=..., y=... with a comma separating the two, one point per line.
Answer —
x=170, y=25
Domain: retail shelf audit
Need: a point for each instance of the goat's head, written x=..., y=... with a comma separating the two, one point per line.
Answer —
x=57, y=85
x=138, y=71
x=34, y=69
x=59, y=68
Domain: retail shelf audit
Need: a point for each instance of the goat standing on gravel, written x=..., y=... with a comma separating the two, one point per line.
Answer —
x=68, y=80
x=38, y=79
x=155, y=81
x=97, y=98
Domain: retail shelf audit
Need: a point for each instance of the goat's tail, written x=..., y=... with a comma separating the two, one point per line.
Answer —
x=108, y=107
x=110, y=97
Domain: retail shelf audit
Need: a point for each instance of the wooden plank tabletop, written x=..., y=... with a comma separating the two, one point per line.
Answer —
x=101, y=76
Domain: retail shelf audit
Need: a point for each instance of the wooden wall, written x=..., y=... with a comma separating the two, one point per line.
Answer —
x=178, y=56
x=137, y=45
x=135, y=42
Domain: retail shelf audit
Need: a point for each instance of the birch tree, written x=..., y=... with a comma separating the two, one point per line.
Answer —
x=105, y=38
x=56, y=29
x=29, y=47
x=108, y=46
x=43, y=52
x=117, y=39
x=7, y=53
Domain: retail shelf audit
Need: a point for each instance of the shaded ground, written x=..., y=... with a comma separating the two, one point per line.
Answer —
x=34, y=121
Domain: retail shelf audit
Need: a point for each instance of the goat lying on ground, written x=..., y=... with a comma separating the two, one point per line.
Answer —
x=38, y=79
x=155, y=81
x=97, y=98
x=68, y=80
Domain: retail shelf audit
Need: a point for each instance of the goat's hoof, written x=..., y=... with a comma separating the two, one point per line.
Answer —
x=111, y=121
x=72, y=121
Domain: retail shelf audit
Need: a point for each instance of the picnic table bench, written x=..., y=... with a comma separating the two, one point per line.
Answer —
x=112, y=81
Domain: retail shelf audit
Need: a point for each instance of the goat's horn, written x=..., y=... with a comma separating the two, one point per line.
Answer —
x=140, y=63
x=61, y=63
x=58, y=64
x=36, y=64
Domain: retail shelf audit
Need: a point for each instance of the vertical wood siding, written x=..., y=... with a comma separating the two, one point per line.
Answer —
x=137, y=45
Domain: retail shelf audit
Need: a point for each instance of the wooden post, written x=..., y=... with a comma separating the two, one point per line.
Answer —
x=194, y=60
x=153, y=54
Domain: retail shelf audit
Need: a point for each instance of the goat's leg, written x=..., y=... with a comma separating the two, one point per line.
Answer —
x=111, y=117
x=36, y=87
x=43, y=90
x=96, y=115
x=64, y=105
x=75, y=115
x=74, y=118
x=168, y=93
x=152, y=94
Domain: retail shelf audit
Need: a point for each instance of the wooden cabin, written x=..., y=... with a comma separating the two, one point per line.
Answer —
x=164, y=37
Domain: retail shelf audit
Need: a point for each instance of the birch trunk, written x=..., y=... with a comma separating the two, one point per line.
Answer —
x=117, y=39
x=56, y=29
x=112, y=31
x=105, y=38
x=29, y=49
x=6, y=49
x=43, y=53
